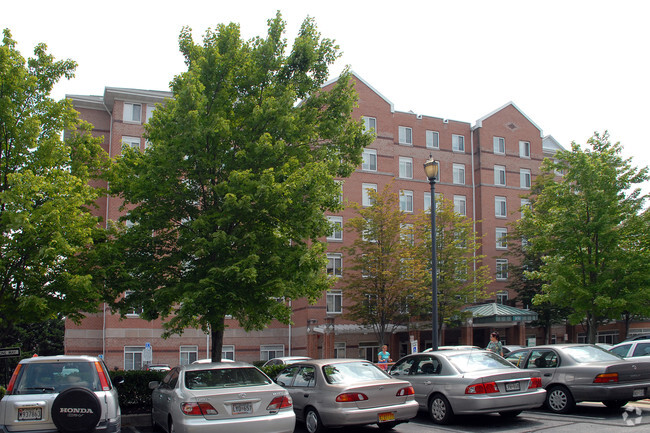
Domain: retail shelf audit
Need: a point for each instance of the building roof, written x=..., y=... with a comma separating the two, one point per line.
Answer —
x=550, y=145
x=498, y=314
x=479, y=122
x=358, y=77
x=106, y=101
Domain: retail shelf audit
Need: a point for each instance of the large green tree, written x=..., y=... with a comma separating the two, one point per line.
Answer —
x=228, y=201
x=44, y=192
x=387, y=279
x=587, y=225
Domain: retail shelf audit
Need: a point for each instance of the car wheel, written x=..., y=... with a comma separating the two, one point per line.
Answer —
x=615, y=404
x=76, y=410
x=313, y=422
x=171, y=427
x=559, y=400
x=386, y=426
x=154, y=426
x=440, y=410
x=510, y=413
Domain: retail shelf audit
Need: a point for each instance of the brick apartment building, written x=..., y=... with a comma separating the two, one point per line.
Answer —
x=485, y=169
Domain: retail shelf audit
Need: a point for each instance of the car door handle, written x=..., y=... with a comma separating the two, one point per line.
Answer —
x=427, y=382
x=547, y=375
x=306, y=395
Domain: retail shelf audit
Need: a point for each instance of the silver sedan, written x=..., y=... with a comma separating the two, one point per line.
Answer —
x=584, y=372
x=339, y=392
x=454, y=382
x=228, y=397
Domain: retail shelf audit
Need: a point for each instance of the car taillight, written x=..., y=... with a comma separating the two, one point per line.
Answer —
x=535, y=382
x=103, y=379
x=606, y=378
x=195, y=409
x=405, y=391
x=351, y=396
x=280, y=403
x=14, y=376
x=482, y=388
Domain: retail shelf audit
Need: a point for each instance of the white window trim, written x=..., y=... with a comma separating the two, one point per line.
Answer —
x=271, y=348
x=522, y=146
x=460, y=139
x=525, y=174
x=406, y=201
x=228, y=348
x=496, y=141
x=131, y=111
x=337, y=234
x=460, y=199
x=336, y=257
x=498, y=169
x=334, y=294
x=502, y=262
x=367, y=127
x=407, y=163
x=134, y=350
x=368, y=156
x=456, y=169
x=133, y=142
x=189, y=349
x=404, y=137
x=365, y=196
x=432, y=134
x=340, y=346
x=497, y=206
x=500, y=238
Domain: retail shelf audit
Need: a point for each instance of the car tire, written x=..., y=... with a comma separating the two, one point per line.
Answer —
x=76, y=410
x=510, y=413
x=440, y=410
x=387, y=426
x=615, y=404
x=171, y=428
x=559, y=399
x=154, y=427
x=313, y=423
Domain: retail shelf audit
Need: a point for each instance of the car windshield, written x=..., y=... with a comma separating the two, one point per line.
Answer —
x=477, y=361
x=224, y=377
x=590, y=354
x=353, y=372
x=50, y=377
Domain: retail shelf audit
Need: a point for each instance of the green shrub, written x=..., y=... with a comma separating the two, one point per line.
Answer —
x=272, y=370
x=134, y=392
x=3, y=391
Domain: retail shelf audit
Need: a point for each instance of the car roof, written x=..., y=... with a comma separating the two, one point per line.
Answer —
x=59, y=358
x=290, y=358
x=205, y=365
x=323, y=362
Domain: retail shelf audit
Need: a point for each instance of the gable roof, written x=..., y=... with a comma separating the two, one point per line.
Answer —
x=479, y=122
x=358, y=77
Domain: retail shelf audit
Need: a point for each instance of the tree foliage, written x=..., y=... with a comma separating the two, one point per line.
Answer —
x=587, y=225
x=44, y=192
x=228, y=202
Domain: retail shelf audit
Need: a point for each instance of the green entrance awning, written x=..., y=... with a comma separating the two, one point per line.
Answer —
x=499, y=314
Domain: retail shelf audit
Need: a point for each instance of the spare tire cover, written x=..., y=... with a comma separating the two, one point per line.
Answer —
x=76, y=410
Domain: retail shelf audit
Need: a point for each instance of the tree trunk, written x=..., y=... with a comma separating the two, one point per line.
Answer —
x=217, y=338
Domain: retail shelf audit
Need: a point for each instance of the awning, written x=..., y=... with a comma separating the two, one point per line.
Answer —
x=499, y=314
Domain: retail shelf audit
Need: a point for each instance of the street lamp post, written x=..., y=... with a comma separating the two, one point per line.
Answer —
x=431, y=170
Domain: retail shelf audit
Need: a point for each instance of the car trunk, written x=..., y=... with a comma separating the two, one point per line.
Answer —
x=630, y=371
x=379, y=393
x=237, y=402
x=508, y=381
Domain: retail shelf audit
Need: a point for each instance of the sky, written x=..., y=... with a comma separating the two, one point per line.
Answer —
x=573, y=66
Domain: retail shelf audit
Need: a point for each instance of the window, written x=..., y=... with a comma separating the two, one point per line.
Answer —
x=334, y=264
x=150, y=109
x=134, y=311
x=525, y=203
x=132, y=112
x=502, y=297
x=133, y=357
x=270, y=351
x=524, y=149
x=228, y=352
x=337, y=230
x=339, y=349
x=405, y=135
x=369, y=124
x=524, y=178
x=501, y=238
x=407, y=234
x=460, y=205
x=340, y=185
x=459, y=174
x=458, y=143
x=334, y=299
x=366, y=200
x=502, y=269
x=427, y=200
x=499, y=145
x=133, y=142
x=433, y=139
x=406, y=168
x=369, y=160
x=188, y=354
x=500, y=208
x=406, y=201
x=499, y=175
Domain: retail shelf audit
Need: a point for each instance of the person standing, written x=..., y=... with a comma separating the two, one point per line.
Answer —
x=384, y=357
x=495, y=345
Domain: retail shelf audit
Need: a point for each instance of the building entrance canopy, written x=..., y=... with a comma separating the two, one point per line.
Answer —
x=499, y=315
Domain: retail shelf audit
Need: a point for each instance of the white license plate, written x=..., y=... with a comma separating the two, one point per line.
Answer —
x=239, y=408
x=30, y=414
x=512, y=386
x=638, y=392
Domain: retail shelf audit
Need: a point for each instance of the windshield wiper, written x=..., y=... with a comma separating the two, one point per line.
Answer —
x=42, y=388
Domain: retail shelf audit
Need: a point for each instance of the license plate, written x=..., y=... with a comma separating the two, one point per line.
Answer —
x=638, y=392
x=30, y=414
x=386, y=417
x=239, y=408
x=512, y=386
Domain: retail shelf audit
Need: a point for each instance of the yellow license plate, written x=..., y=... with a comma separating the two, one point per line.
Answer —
x=386, y=417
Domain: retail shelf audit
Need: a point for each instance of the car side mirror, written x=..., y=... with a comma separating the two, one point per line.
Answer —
x=154, y=384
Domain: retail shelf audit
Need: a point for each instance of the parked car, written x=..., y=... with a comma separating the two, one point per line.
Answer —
x=507, y=348
x=453, y=348
x=232, y=397
x=449, y=383
x=285, y=360
x=632, y=349
x=341, y=392
x=209, y=360
x=638, y=337
x=572, y=373
x=157, y=367
x=69, y=394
